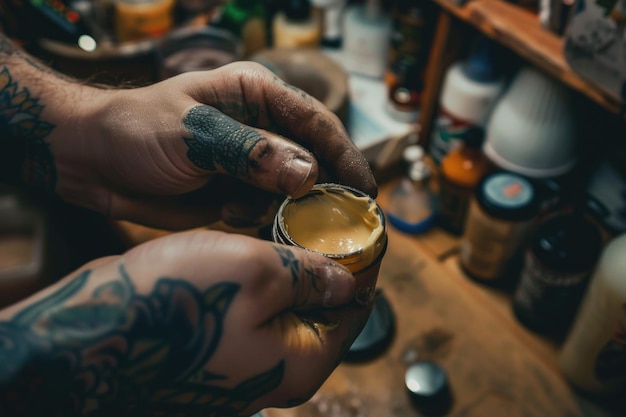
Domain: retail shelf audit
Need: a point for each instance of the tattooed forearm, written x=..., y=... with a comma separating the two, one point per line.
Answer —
x=7, y=47
x=22, y=133
x=8, y=50
x=219, y=141
x=120, y=353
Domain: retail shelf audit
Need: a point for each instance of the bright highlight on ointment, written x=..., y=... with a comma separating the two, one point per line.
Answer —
x=339, y=222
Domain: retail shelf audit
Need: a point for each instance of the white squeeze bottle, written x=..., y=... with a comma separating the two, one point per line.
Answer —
x=593, y=357
x=469, y=93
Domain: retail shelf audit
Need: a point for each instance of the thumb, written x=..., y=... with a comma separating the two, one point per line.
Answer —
x=218, y=143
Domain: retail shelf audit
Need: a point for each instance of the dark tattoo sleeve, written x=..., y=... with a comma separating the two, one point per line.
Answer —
x=219, y=141
x=121, y=353
x=22, y=134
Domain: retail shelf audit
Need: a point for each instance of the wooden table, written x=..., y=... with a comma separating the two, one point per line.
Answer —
x=496, y=367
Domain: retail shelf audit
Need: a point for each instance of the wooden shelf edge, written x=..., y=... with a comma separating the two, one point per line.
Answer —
x=519, y=30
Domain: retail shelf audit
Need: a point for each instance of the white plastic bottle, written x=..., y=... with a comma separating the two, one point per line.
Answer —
x=332, y=13
x=593, y=357
x=366, y=37
x=470, y=90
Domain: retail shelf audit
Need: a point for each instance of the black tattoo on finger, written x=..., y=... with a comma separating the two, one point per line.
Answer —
x=295, y=89
x=218, y=141
x=314, y=277
x=290, y=261
x=248, y=113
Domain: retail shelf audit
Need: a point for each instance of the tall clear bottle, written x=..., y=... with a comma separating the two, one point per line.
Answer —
x=593, y=357
x=411, y=202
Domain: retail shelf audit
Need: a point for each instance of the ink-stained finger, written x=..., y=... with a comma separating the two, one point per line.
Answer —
x=218, y=143
x=318, y=129
x=253, y=94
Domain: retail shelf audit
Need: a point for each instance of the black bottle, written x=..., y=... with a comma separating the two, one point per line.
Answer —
x=557, y=265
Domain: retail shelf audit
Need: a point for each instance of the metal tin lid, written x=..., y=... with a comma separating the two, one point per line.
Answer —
x=377, y=334
x=427, y=385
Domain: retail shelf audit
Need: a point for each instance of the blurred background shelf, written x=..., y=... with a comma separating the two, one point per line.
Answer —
x=519, y=30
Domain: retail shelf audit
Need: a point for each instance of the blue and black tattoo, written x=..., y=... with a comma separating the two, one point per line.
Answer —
x=121, y=353
x=22, y=131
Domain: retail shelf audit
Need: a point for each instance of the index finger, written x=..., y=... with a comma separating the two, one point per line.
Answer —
x=299, y=116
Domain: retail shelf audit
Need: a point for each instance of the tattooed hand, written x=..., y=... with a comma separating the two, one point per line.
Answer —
x=193, y=324
x=181, y=153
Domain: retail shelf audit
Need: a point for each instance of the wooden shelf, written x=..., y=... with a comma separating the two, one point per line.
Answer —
x=519, y=30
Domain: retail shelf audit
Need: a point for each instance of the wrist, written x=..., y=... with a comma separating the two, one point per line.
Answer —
x=76, y=143
x=43, y=112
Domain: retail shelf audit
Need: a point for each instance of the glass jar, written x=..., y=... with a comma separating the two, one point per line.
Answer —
x=341, y=223
x=499, y=221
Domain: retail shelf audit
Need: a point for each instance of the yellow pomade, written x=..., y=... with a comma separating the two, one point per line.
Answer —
x=333, y=221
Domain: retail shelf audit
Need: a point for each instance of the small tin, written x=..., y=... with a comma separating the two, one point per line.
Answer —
x=341, y=223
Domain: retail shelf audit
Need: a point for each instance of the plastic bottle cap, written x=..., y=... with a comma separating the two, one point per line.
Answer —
x=480, y=65
x=568, y=243
x=413, y=153
x=298, y=10
x=427, y=385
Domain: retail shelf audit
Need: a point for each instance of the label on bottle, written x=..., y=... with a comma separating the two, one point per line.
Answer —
x=489, y=244
x=593, y=357
x=407, y=37
x=548, y=297
x=453, y=205
x=447, y=132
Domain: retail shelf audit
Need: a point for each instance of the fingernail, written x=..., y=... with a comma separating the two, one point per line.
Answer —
x=340, y=286
x=294, y=175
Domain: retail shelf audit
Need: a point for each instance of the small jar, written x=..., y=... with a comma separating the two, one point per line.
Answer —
x=339, y=222
x=136, y=20
x=498, y=224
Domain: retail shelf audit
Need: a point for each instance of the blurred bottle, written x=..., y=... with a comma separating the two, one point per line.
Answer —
x=27, y=21
x=332, y=15
x=296, y=25
x=557, y=264
x=246, y=19
x=499, y=222
x=409, y=46
x=461, y=170
x=593, y=356
x=554, y=15
x=366, y=32
x=411, y=202
x=470, y=90
x=405, y=92
x=135, y=20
